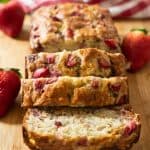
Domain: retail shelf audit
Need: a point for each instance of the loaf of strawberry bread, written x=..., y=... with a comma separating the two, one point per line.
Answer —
x=81, y=62
x=74, y=91
x=72, y=26
x=63, y=128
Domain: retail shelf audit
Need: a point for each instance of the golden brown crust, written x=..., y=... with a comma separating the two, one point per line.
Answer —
x=122, y=144
x=75, y=91
x=71, y=26
x=82, y=62
x=117, y=140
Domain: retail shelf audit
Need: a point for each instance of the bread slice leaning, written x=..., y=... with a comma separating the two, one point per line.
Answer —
x=75, y=91
x=81, y=128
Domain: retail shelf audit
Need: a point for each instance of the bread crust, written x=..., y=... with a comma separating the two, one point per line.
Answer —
x=75, y=91
x=116, y=141
x=82, y=62
x=71, y=26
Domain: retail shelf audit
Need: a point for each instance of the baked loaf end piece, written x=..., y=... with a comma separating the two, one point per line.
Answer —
x=81, y=62
x=74, y=91
x=114, y=128
x=71, y=26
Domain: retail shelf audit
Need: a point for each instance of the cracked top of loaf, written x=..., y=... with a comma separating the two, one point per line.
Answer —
x=81, y=62
x=74, y=91
x=71, y=26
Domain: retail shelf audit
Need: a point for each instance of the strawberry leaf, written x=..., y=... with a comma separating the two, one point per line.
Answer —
x=16, y=70
x=4, y=1
x=145, y=31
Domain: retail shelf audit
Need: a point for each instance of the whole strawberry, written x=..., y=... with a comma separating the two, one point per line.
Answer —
x=136, y=47
x=9, y=89
x=11, y=18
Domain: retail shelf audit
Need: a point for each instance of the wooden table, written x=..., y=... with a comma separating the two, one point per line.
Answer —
x=12, y=52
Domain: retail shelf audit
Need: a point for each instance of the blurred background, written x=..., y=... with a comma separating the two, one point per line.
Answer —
x=118, y=8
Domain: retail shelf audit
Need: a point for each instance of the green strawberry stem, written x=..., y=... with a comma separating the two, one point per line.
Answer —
x=4, y=1
x=145, y=31
x=16, y=70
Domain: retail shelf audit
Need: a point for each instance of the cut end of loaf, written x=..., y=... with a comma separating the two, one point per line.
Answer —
x=85, y=128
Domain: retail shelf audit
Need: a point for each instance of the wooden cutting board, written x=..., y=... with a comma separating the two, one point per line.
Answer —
x=12, y=52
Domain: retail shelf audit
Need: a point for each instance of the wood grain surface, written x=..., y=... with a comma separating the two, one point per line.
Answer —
x=12, y=52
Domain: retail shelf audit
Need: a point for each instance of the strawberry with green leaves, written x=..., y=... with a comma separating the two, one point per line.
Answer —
x=136, y=47
x=9, y=88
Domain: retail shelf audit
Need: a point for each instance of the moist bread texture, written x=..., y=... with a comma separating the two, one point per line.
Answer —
x=74, y=91
x=81, y=62
x=114, y=128
x=72, y=26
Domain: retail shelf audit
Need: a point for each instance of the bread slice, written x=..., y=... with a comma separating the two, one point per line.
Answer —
x=81, y=62
x=71, y=26
x=74, y=91
x=114, y=128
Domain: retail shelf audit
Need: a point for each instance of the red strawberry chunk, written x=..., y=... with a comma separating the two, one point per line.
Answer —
x=35, y=28
x=58, y=124
x=41, y=72
x=112, y=43
x=51, y=59
x=123, y=100
x=55, y=73
x=82, y=142
x=71, y=61
x=35, y=36
x=35, y=112
x=95, y=84
x=123, y=112
x=115, y=87
x=39, y=85
x=104, y=63
x=69, y=33
x=130, y=127
x=56, y=19
x=32, y=58
x=75, y=13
